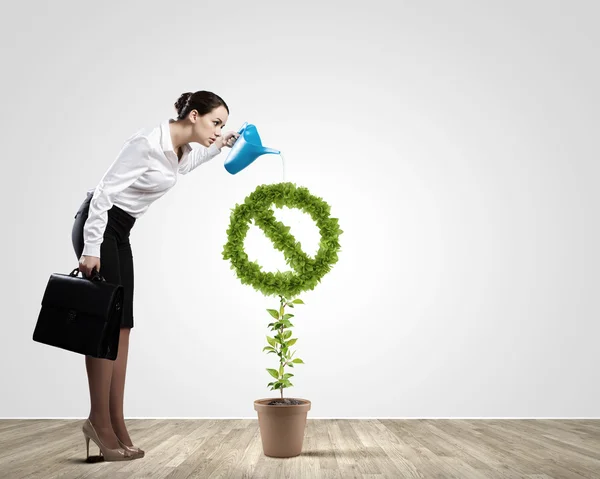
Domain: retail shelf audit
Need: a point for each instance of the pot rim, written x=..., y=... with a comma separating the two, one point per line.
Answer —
x=262, y=402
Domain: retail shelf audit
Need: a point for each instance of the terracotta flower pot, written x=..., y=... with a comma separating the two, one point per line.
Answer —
x=282, y=425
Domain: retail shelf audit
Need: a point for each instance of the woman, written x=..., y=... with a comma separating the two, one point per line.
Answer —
x=145, y=169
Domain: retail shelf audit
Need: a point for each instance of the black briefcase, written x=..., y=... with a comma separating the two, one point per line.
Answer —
x=82, y=315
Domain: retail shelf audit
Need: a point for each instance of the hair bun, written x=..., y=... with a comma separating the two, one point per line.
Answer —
x=182, y=102
x=202, y=101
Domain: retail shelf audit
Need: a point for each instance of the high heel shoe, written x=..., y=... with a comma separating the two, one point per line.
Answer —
x=118, y=454
x=136, y=451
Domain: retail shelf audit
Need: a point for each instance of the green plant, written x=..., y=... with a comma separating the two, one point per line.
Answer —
x=308, y=271
x=288, y=284
x=280, y=344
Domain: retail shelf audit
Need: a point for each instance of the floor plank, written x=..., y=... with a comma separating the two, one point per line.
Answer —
x=332, y=449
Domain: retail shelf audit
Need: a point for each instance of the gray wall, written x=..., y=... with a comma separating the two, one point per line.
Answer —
x=455, y=141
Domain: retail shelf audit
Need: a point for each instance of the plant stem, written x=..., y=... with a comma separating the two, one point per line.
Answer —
x=281, y=360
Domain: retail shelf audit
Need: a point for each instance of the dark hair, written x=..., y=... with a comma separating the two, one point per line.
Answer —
x=202, y=101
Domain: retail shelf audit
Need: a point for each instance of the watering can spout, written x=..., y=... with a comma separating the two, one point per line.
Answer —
x=247, y=148
x=270, y=150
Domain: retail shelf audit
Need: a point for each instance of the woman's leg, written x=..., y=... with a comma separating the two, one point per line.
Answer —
x=99, y=371
x=117, y=388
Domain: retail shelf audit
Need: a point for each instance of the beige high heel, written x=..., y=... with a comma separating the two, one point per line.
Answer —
x=138, y=453
x=118, y=454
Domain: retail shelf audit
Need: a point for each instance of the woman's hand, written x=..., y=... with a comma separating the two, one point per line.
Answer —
x=228, y=139
x=87, y=264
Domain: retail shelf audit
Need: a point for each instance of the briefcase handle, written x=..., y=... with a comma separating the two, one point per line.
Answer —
x=95, y=275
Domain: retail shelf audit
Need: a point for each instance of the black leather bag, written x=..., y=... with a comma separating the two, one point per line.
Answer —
x=82, y=315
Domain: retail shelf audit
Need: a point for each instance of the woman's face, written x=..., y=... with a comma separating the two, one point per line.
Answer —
x=208, y=128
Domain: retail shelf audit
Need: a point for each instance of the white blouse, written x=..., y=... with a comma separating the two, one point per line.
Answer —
x=144, y=170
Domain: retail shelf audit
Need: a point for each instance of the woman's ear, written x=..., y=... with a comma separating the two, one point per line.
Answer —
x=193, y=116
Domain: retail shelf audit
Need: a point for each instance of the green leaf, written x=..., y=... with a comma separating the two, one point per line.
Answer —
x=286, y=335
x=287, y=316
x=291, y=342
x=256, y=209
x=273, y=313
x=273, y=373
x=271, y=341
x=287, y=375
x=298, y=361
x=269, y=348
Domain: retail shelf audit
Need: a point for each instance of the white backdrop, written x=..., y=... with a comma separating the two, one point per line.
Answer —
x=456, y=143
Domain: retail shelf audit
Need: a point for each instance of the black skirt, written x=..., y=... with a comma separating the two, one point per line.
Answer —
x=116, y=258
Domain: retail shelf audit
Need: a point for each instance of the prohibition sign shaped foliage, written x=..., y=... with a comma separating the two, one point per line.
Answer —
x=308, y=271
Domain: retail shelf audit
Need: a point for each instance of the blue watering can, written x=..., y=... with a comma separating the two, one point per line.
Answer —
x=246, y=149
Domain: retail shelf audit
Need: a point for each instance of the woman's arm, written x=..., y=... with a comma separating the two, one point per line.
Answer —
x=198, y=156
x=131, y=163
x=201, y=155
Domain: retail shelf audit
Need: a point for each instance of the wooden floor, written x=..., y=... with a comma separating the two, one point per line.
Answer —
x=333, y=448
